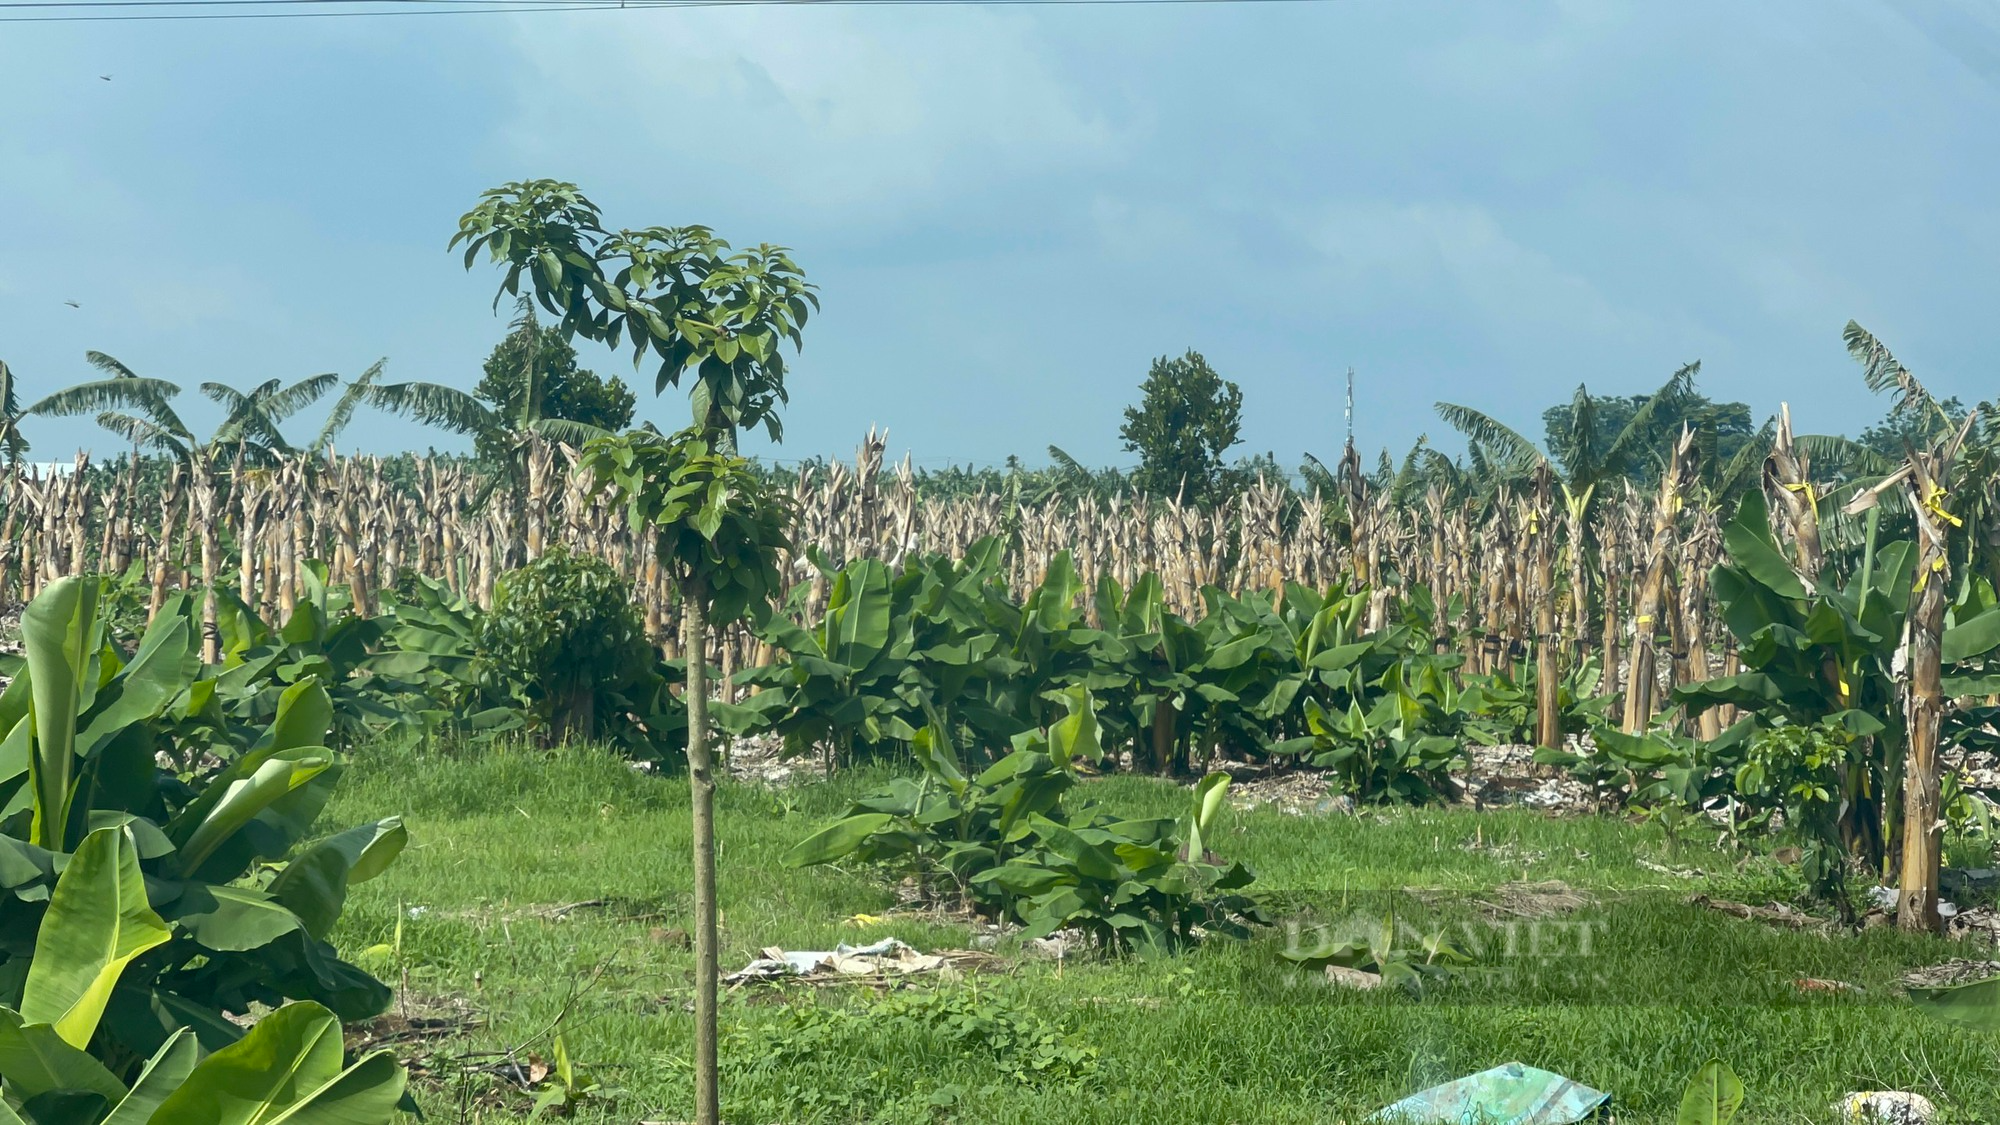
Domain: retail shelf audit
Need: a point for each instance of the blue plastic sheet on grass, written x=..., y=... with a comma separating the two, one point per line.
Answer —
x=1514, y=1094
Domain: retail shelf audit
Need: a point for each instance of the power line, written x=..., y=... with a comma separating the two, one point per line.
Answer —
x=69, y=9
x=401, y=8
x=650, y=3
x=86, y=4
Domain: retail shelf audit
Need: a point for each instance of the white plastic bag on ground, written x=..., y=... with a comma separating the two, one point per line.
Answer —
x=1887, y=1107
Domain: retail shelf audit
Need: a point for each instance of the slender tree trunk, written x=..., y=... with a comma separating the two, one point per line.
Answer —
x=1923, y=825
x=1708, y=727
x=107, y=557
x=1548, y=675
x=1642, y=685
x=207, y=502
x=163, y=547
x=701, y=784
x=1612, y=636
x=288, y=565
x=540, y=460
x=1163, y=736
x=1579, y=589
x=8, y=545
x=251, y=505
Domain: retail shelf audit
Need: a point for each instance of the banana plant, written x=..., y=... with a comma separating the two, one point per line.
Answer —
x=1384, y=754
x=288, y=1068
x=1500, y=706
x=432, y=653
x=1145, y=673
x=245, y=925
x=840, y=687
x=1658, y=765
x=1046, y=645
x=1009, y=841
x=1818, y=652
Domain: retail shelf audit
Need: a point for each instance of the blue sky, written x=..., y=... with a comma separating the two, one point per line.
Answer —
x=1011, y=210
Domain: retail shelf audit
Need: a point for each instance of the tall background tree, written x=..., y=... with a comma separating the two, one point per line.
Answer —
x=1722, y=430
x=531, y=387
x=533, y=372
x=1187, y=418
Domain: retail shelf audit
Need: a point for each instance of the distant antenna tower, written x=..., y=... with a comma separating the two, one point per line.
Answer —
x=1350, y=409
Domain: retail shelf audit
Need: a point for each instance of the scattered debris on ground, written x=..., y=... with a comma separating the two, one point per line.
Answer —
x=415, y=1019
x=1980, y=769
x=878, y=962
x=1816, y=984
x=505, y=913
x=1340, y=976
x=1532, y=901
x=1496, y=776
x=761, y=758
x=1292, y=792
x=1508, y=775
x=1887, y=1107
x=1776, y=914
x=412, y=1026
x=1884, y=899
x=1514, y=1094
x=1981, y=925
x=1676, y=872
x=1057, y=946
x=1506, y=851
x=1945, y=974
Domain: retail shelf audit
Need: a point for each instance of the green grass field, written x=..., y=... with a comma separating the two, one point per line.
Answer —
x=1629, y=993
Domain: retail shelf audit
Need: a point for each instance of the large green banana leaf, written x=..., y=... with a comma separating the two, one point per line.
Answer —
x=59, y=631
x=286, y=1071
x=97, y=922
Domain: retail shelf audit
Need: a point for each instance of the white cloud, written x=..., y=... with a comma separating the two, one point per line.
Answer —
x=855, y=111
x=1454, y=262
x=1514, y=50
x=1408, y=247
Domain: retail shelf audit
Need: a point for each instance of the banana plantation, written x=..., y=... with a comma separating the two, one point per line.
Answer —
x=1039, y=725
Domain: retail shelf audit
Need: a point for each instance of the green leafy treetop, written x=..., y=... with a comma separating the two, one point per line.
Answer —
x=1187, y=418
x=1912, y=425
x=1582, y=434
x=534, y=357
x=716, y=521
x=678, y=294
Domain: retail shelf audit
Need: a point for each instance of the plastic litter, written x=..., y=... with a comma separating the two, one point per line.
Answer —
x=1514, y=1094
x=886, y=956
x=1887, y=1107
x=1886, y=898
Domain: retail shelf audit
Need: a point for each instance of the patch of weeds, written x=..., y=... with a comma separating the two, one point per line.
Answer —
x=888, y=1059
x=1368, y=956
x=568, y=1087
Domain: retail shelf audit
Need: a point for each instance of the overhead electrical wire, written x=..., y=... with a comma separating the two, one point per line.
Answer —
x=74, y=11
x=415, y=8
